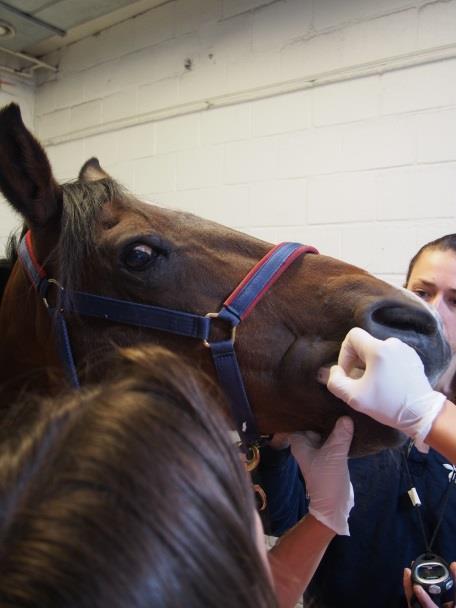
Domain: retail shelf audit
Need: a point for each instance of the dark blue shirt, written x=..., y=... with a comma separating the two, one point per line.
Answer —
x=279, y=476
x=366, y=568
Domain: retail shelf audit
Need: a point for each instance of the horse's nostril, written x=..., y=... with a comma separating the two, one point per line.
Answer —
x=416, y=326
x=405, y=319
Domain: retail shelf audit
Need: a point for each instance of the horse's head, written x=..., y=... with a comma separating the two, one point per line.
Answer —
x=91, y=235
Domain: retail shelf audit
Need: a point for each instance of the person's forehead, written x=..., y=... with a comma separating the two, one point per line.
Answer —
x=434, y=265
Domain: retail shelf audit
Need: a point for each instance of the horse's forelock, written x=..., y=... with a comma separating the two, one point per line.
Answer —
x=82, y=202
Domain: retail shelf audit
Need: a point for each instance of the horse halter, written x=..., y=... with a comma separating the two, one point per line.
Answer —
x=234, y=310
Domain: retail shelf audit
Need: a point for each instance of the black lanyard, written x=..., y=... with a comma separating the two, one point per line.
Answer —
x=415, y=500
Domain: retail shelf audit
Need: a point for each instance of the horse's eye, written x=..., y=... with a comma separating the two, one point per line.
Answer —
x=138, y=256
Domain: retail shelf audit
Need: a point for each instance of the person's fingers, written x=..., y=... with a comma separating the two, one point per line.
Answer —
x=355, y=349
x=423, y=598
x=279, y=441
x=453, y=574
x=303, y=446
x=407, y=583
x=341, y=436
x=339, y=384
x=307, y=438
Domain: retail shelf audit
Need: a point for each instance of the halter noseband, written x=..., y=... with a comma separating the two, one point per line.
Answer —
x=235, y=309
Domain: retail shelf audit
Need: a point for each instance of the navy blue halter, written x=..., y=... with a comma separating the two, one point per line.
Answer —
x=235, y=308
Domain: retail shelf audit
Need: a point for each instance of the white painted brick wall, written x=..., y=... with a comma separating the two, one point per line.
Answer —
x=344, y=102
x=332, y=13
x=318, y=53
x=226, y=124
x=364, y=168
x=343, y=198
x=386, y=142
x=389, y=35
x=436, y=25
x=274, y=27
x=437, y=136
x=69, y=158
x=427, y=86
x=282, y=114
x=235, y=7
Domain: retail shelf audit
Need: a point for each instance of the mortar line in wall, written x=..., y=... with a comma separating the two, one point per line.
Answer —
x=380, y=66
x=337, y=27
x=373, y=169
x=384, y=115
x=367, y=223
x=415, y=219
x=378, y=169
x=427, y=163
x=254, y=9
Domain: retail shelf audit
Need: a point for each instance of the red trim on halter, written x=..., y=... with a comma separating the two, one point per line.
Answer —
x=301, y=250
x=39, y=269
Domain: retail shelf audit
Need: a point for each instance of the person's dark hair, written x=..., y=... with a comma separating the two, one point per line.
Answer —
x=444, y=243
x=130, y=494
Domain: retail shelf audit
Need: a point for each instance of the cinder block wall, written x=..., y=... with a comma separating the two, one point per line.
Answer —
x=363, y=167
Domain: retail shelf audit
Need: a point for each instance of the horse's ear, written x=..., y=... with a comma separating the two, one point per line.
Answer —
x=26, y=177
x=92, y=171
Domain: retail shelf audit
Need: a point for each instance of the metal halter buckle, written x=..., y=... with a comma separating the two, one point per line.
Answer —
x=252, y=457
x=215, y=315
x=261, y=498
x=62, y=289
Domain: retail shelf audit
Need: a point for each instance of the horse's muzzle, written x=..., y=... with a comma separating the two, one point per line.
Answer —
x=416, y=325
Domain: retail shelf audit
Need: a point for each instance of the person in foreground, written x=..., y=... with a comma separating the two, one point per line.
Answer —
x=394, y=390
x=131, y=494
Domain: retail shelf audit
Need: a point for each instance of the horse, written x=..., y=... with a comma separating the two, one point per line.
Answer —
x=5, y=269
x=93, y=235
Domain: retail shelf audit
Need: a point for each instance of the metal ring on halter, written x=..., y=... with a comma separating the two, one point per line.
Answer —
x=214, y=315
x=53, y=282
x=252, y=457
x=261, y=494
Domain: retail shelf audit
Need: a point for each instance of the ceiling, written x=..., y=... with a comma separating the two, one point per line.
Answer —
x=35, y=21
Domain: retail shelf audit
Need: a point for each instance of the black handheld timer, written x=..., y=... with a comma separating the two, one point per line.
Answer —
x=432, y=572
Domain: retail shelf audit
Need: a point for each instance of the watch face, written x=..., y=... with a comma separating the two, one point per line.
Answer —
x=431, y=572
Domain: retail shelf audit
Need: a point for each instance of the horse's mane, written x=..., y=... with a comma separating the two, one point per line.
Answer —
x=11, y=248
x=7, y=263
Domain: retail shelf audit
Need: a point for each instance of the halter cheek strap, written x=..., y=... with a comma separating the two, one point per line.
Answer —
x=235, y=309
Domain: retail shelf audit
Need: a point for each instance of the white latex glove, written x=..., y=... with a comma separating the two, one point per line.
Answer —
x=326, y=474
x=393, y=390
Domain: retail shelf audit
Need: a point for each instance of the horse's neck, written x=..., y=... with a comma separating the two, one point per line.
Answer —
x=26, y=343
x=5, y=271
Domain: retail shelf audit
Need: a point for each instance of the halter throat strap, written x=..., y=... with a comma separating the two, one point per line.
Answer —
x=235, y=309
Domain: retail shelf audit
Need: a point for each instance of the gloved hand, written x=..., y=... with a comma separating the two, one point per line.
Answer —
x=326, y=474
x=393, y=390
